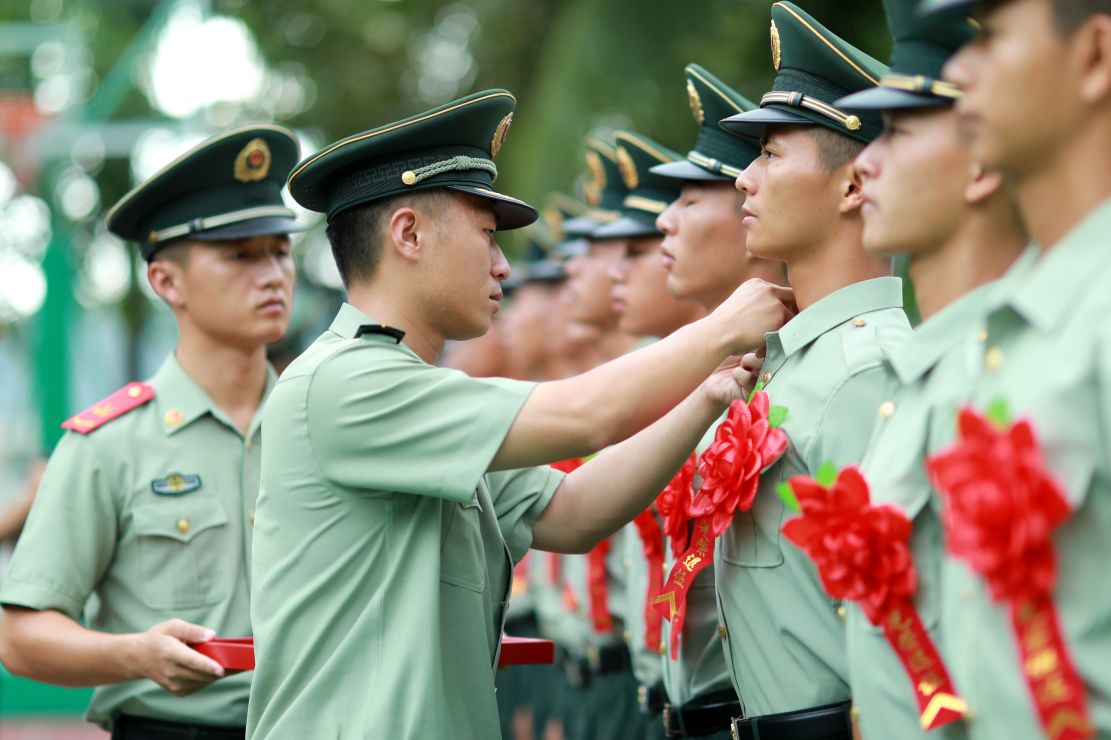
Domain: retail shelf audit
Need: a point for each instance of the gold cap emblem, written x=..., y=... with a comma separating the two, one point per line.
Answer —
x=852, y=123
x=777, y=54
x=628, y=168
x=253, y=162
x=553, y=219
x=597, y=173
x=500, y=133
x=696, y=103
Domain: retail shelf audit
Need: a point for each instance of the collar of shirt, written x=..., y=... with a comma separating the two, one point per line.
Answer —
x=348, y=320
x=934, y=338
x=1055, y=283
x=181, y=400
x=833, y=310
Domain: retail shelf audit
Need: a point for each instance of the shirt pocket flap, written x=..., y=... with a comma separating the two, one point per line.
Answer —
x=182, y=521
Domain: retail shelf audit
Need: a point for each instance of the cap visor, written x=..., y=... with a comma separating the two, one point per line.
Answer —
x=572, y=248
x=625, y=228
x=252, y=227
x=751, y=124
x=546, y=271
x=885, y=98
x=926, y=7
x=684, y=170
x=581, y=226
x=510, y=212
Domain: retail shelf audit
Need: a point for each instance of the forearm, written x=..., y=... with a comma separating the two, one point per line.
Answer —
x=50, y=647
x=600, y=497
x=13, y=517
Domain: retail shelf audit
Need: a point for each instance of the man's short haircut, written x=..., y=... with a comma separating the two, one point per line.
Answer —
x=357, y=234
x=176, y=251
x=1069, y=15
x=835, y=150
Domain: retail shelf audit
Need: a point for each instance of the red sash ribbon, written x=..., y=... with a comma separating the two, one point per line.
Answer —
x=598, y=587
x=862, y=552
x=745, y=444
x=1001, y=506
x=652, y=540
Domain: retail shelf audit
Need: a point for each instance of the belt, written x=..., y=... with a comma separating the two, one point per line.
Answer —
x=651, y=699
x=598, y=661
x=830, y=722
x=130, y=727
x=702, y=715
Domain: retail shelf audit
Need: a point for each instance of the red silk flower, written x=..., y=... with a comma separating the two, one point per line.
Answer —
x=745, y=444
x=861, y=549
x=1001, y=505
x=567, y=466
x=674, y=505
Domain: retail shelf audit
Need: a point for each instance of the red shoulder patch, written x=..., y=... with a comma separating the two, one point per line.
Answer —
x=128, y=398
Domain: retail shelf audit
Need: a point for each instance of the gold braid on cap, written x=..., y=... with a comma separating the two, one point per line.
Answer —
x=798, y=100
x=921, y=84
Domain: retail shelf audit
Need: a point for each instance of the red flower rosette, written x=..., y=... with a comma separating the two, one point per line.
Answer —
x=746, y=442
x=1001, y=506
x=862, y=553
x=674, y=505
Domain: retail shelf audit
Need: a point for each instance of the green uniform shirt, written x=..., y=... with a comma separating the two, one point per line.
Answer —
x=383, y=549
x=784, y=643
x=936, y=368
x=699, y=669
x=576, y=575
x=99, y=528
x=1048, y=356
x=646, y=661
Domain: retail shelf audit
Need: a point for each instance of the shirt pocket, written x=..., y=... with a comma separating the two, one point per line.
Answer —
x=753, y=540
x=462, y=557
x=183, y=552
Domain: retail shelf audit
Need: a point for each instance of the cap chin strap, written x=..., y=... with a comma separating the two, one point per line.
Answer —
x=921, y=84
x=798, y=100
x=215, y=222
x=452, y=164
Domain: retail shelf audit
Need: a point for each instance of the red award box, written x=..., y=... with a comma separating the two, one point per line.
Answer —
x=525, y=651
x=233, y=653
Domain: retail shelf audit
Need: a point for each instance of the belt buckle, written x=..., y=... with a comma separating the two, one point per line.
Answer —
x=734, y=732
x=665, y=714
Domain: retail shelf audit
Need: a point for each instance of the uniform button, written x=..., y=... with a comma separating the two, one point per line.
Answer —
x=854, y=714
x=250, y=444
x=859, y=323
x=993, y=358
x=663, y=648
x=183, y=526
x=627, y=636
x=628, y=562
x=173, y=417
x=982, y=336
x=766, y=377
x=841, y=613
x=722, y=632
x=134, y=391
x=887, y=408
x=252, y=517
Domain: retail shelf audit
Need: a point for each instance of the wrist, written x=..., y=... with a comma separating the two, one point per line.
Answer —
x=127, y=650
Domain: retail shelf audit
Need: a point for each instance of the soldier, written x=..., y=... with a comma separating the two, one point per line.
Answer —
x=1036, y=104
x=783, y=639
x=396, y=495
x=706, y=259
x=960, y=234
x=147, y=503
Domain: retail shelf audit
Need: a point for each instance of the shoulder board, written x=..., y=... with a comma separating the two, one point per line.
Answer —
x=128, y=398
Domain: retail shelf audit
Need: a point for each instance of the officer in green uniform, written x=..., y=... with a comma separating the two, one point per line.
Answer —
x=396, y=495
x=1044, y=119
x=960, y=234
x=143, y=524
x=706, y=259
x=784, y=643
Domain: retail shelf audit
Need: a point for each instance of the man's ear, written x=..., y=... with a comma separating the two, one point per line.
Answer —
x=982, y=185
x=1095, y=38
x=851, y=184
x=167, y=279
x=405, y=231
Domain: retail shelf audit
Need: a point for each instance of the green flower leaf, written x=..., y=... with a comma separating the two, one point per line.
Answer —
x=755, y=389
x=827, y=475
x=787, y=495
x=776, y=416
x=999, y=413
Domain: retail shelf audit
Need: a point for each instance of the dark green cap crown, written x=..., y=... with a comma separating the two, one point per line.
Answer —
x=451, y=146
x=565, y=217
x=226, y=187
x=604, y=189
x=814, y=68
x=922, y=47
x=649, y=193
x=716, y=154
